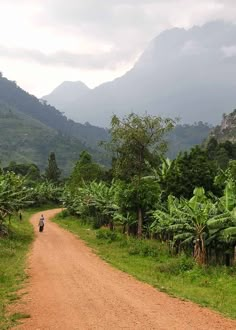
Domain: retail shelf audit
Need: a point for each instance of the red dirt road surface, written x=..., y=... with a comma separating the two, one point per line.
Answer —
x=72, y=288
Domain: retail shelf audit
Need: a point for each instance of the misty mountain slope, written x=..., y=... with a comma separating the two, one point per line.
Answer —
x=16, y=97
x=184, y=137
x=183, y=73
x=66, y=93
x=27, y=140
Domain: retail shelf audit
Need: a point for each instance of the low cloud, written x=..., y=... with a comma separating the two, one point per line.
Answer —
x=94, y=34
x=229, y=51
x=127, y=24
x=192, y=47
x=106, y=60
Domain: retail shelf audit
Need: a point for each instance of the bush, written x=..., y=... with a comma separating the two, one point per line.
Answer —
x=96, y=223
x=143, y=248
x=107, y=235
x=64, y=214
x=176, y=265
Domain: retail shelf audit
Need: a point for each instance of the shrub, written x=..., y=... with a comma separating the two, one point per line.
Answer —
x=64, y=214
x=96, y=223
x=176, y=265
x=143, y=248
x=106, y=234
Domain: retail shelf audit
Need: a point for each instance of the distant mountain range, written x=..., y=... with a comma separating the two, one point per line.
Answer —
x=31, y=129
x=183, y=73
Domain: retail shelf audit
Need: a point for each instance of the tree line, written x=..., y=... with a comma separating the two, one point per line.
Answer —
x=188, y=202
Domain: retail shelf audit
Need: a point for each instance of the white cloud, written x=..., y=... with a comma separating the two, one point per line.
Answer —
x=229, y=51
x=110, y=59
x=93, y=34
x=192, y=47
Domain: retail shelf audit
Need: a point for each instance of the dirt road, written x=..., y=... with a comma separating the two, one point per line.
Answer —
x=71, y=288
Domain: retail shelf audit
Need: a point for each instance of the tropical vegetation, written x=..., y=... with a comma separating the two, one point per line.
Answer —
x=187, y=203
x=185, y=206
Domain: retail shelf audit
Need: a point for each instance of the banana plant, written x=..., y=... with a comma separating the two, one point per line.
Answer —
x=159, y=174
x=126, y=221
x=14, y=195
x=228, y=201
x=94, y=199
x=223, y=229
x=190, y=222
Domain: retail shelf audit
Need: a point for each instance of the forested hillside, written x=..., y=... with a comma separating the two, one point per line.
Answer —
x=13, y=95
x=184, y=137
x=67, y=138
x=27, y=140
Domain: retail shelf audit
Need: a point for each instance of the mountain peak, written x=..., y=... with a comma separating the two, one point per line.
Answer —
x=66, y=92
x=186, y=73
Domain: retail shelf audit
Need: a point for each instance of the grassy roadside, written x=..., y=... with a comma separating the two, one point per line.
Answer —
x=150, y=262
x=13, y=252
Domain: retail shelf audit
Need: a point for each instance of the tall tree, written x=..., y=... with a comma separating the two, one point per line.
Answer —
x=137, y=142
x=85, y=170
x=189, y=170
x=52, y=172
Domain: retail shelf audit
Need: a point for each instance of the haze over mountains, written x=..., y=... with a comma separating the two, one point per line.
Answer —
x=66, y=93
x=190, y=74
x=31, y=129
x=183, y=73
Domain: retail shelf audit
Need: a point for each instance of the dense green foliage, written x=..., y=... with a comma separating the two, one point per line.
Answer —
x=221, y=152
x=31, y=171
x=137, y=143
x=85, y=170
x=187, y=203
x=18, y=192
x=14, y=195
x=190, y=170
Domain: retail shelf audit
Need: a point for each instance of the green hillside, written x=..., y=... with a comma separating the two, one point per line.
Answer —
x=16, y=97
x=31, y=129
x=184, y=137
x=26, y=140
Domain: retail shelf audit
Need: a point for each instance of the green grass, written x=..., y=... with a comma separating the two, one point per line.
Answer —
x=151, y=262
x=13, y=252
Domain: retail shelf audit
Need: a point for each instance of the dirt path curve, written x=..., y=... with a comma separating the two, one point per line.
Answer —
x=71, y=288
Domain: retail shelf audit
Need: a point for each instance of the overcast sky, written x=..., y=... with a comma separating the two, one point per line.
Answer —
x=45, y=42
